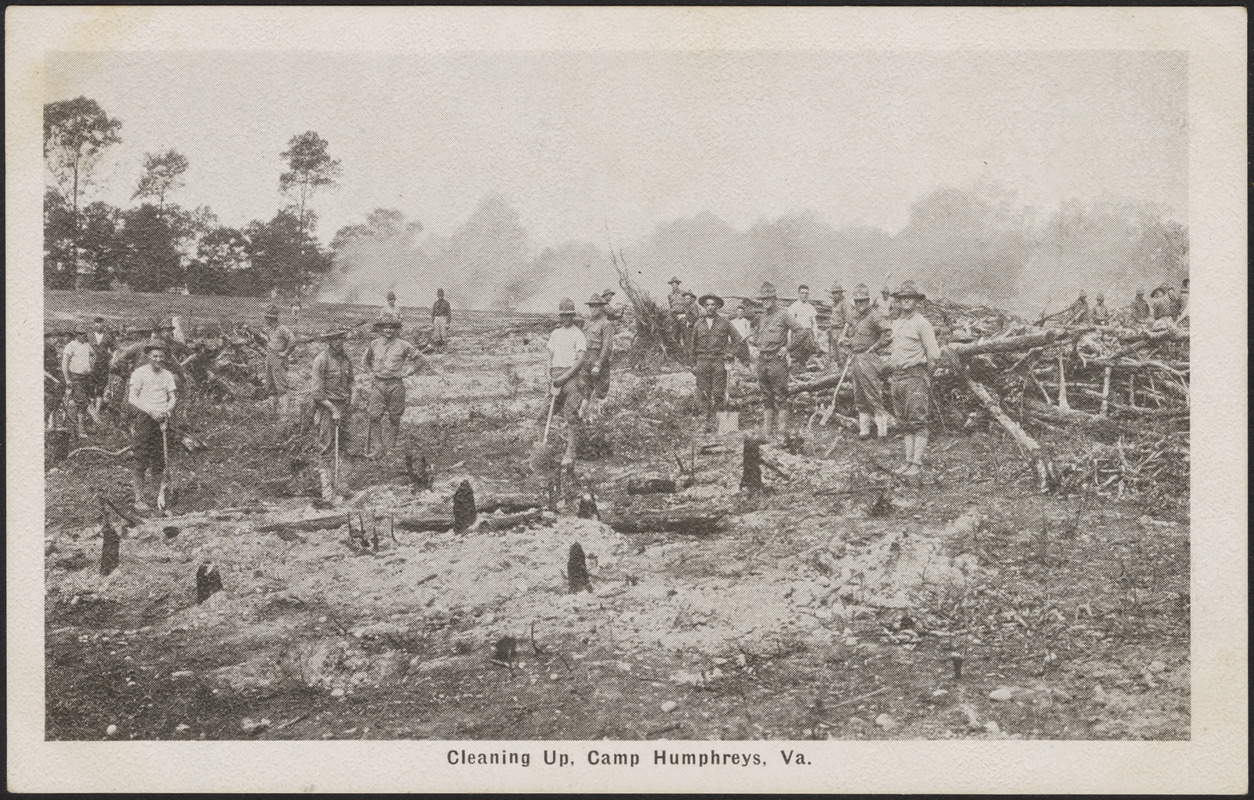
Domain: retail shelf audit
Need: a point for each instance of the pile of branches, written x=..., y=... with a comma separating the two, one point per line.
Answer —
x=656, y=338
x=1150, y=464
x=1104, y=384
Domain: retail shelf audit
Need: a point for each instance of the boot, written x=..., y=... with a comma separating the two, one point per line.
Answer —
x=768, y=423
x=881, y=425
x=864, y=426
x=390, y=431
x=920, y=447
x=568, y=458
x=908, y=445
x=784, y=415
x=710, y=421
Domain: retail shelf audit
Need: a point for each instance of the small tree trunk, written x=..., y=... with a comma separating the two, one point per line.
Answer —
x=208, y=581
x=751, y=471
x=464, y=513
x=110, y=555
x=1105, y=391
x=577, y=570
x=1062, y=385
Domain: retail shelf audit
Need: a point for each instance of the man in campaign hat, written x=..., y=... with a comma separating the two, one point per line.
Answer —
x=611, y=313
x=838, y=323
x=869, y=336
x=1100, y=313
x=676, y=298
x=714, y=344
x=912, y=359
x=772, y=340
x=1080, y=312
x=441, y=318
x=391, y=308
x=598, y=334
x=1140, y=308
x=280, y=342
x=568, y=351
x=331, y=392
x=153, y=394
x=387, y=357
x=78, y=362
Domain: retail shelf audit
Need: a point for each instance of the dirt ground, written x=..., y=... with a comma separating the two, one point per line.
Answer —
x=840, y=603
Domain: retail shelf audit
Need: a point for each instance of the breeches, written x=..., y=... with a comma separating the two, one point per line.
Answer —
x=773, y=380
x=387, y=396
x=910, y=398
x=711, y=382
x=868, y=387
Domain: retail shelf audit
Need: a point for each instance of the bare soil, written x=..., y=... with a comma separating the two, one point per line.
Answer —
x=841, y=603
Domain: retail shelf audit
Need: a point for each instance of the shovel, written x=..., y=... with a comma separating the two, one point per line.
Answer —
x=166, y=490
x=335, y=485
x=727, y=421
x=540, y=454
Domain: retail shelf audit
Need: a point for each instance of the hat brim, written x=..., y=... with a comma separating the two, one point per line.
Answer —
x=909, y=295
x=148, y=348
x=718, y=300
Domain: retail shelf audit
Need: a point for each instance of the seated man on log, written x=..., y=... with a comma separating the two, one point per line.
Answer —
x=714, y=344
x=770, y=337
x=869, y=336
x=912, y=359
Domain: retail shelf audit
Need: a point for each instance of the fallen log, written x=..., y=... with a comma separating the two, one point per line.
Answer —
x=692, y=521
x=510, y=503
x=430, y=523
x=313, y=524
x=1041, y=464
x=650, y=484
x=1094, y=423
x=501, y=522
x=1012, y=344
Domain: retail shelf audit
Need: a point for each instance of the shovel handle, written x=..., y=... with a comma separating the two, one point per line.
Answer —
x=548, y=421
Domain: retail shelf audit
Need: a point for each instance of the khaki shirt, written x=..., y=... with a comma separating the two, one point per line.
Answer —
x=869, y=332
x=599, y=336
x=770, y=335
x=332, y=378
x=914, y=342
x=387, y=359
x=279, y=340
x=714, y=337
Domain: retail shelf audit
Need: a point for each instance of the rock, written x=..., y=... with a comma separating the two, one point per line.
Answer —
x=337, y=692
x=1099, y=695
x=669, y=706
x=940, y=693
x=886, y=722
x=837, y=547
x=992, y=727
x=182, y=726
x=1157, y=666
x=719, y=661
x=1002, y=694
x=248, y=725
x=111, y=730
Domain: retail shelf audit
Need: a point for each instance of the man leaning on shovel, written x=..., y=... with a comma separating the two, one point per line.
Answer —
x=332, y=395
x=714, y=345
x=152, y=394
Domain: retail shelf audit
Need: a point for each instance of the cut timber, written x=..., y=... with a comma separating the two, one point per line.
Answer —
x=1062, y=385
x=1105, y=391
x=464, y=512
x=775, y=467
x=1038, y=458
x=650, y=484
x=313, y=524
x=1070, y=416
x=509, y=503
x=676, y=520
x=426, y=522
x=751, y=469
x=504, y=521
x=110, y=555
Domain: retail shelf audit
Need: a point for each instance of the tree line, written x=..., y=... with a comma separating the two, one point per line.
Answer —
x=158, y=245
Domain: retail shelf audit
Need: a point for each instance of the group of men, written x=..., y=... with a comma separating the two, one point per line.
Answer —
x=886, y=338
x=1166, y=305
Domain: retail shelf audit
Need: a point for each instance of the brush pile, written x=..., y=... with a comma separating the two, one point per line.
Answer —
x=657, y=338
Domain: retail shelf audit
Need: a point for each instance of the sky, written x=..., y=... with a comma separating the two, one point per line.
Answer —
x=579, y=141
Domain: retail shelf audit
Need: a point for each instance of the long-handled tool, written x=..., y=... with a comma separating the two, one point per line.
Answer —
x=540, y=455
x=335, y=486
x=827, y=412
x=165, y=473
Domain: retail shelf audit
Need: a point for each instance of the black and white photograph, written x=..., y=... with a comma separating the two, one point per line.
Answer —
x=679, y=408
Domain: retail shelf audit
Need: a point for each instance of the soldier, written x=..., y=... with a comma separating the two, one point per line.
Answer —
x=676, y=298
x=386, y=358
x=714, y=344
x=691, y=313
x=78, y=362
x=842, y=315
x=153, y=394
x=886, y=305
x=611, y=313
x=568, y=350
x=1161, y=306
x=1100, y=314
x=280, y=342
x=441, y=318
x=1140, y=308
x=390, y=309
x=1183, y=314
x=912, y=360
x=1080, y=313
x=804, y=311
x=102, y=341
x=869, y=336
x=770, y=336
x=331, y=391
x=598, y=335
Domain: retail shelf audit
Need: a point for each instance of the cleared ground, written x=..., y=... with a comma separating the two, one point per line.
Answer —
x=838, y=604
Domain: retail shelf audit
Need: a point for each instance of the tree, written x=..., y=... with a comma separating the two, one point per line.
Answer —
x=59, y=233
x=76, y=134
x=310, y=167
x=278, y=254
x=222, y=265
x=152, y=240
x=163, y=174
x=101, y=243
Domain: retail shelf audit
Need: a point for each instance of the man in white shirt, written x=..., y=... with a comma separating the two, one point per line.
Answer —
x=152, y=394
x=568, y=348
x=77, y=362
x=391, y=310
x=804, y=312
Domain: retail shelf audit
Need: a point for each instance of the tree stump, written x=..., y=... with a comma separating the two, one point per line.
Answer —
x=577, y=570
x=110, y=555
x=208, y=581
x=587, y=506
x=464, y=513
x=751, y=470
